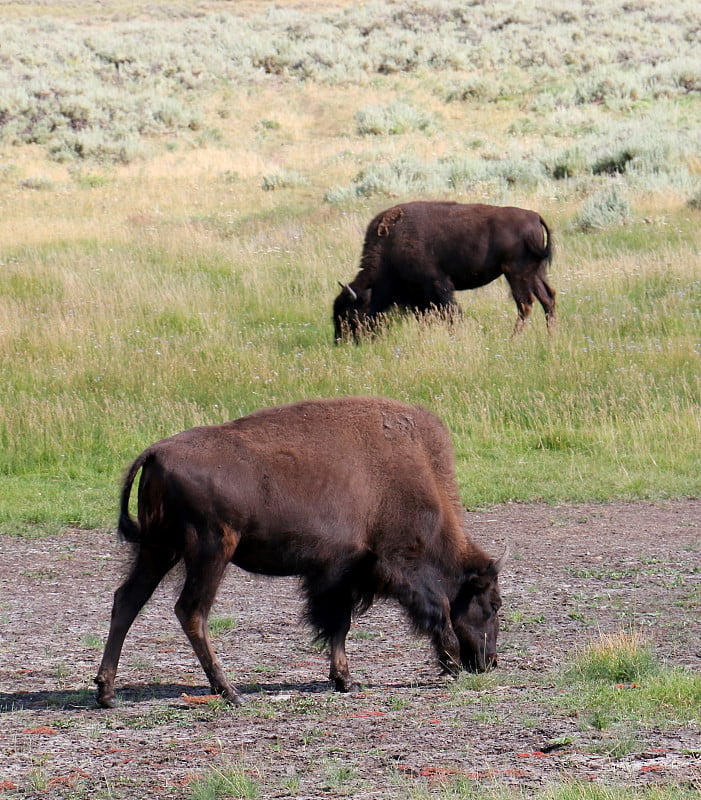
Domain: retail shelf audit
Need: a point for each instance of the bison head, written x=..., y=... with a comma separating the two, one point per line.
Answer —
x=475, y=618
x=349, y=312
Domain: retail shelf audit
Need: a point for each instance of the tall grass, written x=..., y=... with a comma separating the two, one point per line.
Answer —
x=108, y=346
x=142, y=295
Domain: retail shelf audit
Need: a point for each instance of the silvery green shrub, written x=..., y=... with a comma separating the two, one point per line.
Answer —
x=608, y=208
x=60, y=79
x=396, y=118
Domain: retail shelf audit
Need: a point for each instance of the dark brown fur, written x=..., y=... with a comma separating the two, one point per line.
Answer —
x=416, y=255
x=355, y=495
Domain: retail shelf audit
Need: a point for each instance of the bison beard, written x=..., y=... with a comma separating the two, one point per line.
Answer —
x=357, y=496
x=416, y=255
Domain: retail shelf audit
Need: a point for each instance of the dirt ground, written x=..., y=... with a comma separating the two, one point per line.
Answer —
x=575, y=572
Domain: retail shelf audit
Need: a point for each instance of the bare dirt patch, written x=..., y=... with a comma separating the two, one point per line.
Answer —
x=575, y=571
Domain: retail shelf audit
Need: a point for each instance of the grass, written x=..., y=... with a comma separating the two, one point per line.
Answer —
x=220, y=625
x=463, y=789
x=615, y=658
x=161, y=336
x=617, y=681
x=139, y=299
x=225, y=782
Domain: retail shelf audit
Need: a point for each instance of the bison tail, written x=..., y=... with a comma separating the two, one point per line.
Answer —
x=547, y=249
x=129, y=528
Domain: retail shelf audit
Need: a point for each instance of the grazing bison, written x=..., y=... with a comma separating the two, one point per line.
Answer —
x=416, y=255
x=357, y=496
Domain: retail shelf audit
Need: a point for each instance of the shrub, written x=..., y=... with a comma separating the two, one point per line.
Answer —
x=607, y=208
x=282, y=180
x=695, y=201
x=396, y=118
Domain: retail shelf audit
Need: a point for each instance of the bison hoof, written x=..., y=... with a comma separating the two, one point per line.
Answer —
x=450, y=668
x=346, y=686
x=105, y=697
x=106, y=702
x=234, y=699
x=230, y=695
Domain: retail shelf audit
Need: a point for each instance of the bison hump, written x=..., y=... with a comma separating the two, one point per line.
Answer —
x=388, y=220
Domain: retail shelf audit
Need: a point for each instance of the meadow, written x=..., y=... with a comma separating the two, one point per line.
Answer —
x=184, y=184
x=184, y=187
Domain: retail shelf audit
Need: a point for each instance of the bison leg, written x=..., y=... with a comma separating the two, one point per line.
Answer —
x=546, y=297
x=429, y=611
x=148, y=571
x=439, y=296
x=339, y=671
x=192, y=609
x=446, y=643
x=330, y=613
x=523, y=297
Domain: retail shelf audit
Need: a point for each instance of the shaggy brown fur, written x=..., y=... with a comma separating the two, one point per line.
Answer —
x=416, y=255
x=355, y=495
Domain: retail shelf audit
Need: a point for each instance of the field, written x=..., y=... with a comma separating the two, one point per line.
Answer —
x=183, y=187
x=578, y=575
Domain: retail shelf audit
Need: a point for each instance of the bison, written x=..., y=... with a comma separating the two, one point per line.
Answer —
x=416, y=255
x=357, y=496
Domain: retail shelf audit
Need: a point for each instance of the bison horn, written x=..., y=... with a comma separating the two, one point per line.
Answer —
x=347, y=288
x=503, y=558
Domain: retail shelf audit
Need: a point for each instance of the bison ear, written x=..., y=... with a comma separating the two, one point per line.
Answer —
x=479, y=578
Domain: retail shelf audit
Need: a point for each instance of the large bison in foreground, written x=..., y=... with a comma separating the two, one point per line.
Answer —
x=355, y=495
x=416, y=255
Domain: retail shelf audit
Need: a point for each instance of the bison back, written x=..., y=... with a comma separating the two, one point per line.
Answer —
x=308, y=484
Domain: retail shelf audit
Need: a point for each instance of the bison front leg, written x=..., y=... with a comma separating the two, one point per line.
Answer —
x=330, y=612
x=446, y=643
x=339, y=671
x=192, y=610
x=429, y=611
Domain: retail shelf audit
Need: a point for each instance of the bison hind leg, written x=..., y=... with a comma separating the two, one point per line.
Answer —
x=546, y=297
x=205, y=568
x=149, y=568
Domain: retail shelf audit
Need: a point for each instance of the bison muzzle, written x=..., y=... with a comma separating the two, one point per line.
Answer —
x=356, y=496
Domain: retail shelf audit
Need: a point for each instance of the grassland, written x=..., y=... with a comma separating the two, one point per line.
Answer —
x=182, y=188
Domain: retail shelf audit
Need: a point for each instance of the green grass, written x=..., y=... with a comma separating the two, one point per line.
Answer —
x=225, y=782
x=194, y=283
x=617, y=681
x=619, y=657
x=463, y=789
x=161, y=340
x=219, y=625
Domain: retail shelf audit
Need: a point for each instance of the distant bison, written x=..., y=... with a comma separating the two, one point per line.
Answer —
x=416, y=255
x=355, y=495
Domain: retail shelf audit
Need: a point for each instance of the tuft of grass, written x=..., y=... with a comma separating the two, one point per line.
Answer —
x=93, y=641
x=616, y=682
x=617, y=658
x=219, y=625
x=229, y=781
